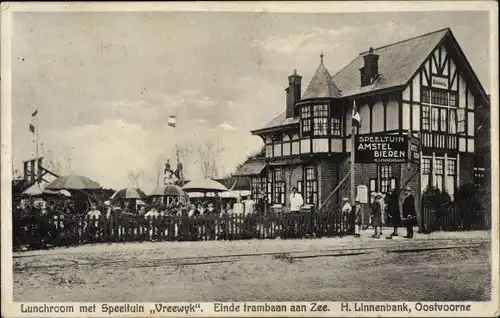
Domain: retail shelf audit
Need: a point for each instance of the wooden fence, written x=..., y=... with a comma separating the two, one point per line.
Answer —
x=41, y=231
x=454, y=219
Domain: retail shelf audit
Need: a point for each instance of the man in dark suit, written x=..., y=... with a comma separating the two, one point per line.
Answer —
x=409, y=213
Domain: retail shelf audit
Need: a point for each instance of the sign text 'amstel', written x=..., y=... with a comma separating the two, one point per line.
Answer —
x=381, y=149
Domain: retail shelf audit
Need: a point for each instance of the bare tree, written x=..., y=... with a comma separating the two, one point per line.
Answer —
x=133, y=178
x=210, y=153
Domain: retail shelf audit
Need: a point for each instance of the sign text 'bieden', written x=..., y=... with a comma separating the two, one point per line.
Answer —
x=381, y=149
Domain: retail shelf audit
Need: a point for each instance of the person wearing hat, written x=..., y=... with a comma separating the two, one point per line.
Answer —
x=346, y=214
x=409, y=213
x=393, y=211
x=377, y=215
x=357, y=218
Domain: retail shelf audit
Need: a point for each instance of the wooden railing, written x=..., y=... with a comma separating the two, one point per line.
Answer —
x=38, y=231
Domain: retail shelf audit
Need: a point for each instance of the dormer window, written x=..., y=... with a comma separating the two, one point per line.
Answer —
x=320, y=120
x=305, y=121
x=335, y=122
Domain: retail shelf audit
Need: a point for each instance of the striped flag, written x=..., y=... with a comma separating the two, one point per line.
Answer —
x=356, y=118
x=172, y=121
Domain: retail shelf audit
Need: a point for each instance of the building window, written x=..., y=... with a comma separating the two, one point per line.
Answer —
x=439, y=173
x=305, y=117
x=453, y=99
x=335, y=126
x=258, y=186
x=385, y=178
x=295, y=144
x=439, y=97
x=300, y=188
x=451, y=176
x=461, y=121
x=426, y=165
x=311, y=186
x=443, y=120
x=435, y=119
x=426, y=95
x=320, y=117
x=286, y=145
x=425, y=117
x=452, y=127
x=279, y=187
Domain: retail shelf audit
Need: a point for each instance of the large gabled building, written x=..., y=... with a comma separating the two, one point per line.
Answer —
x=424, y=85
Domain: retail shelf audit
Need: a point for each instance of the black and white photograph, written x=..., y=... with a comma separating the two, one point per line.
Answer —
x=250, y=156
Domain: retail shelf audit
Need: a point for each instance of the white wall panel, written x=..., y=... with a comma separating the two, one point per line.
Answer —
x=305, y=146
x=393, y=115
x=406, y=116
x=416, y=88
x=320, y=145
x=378, y=117
x=416, y=117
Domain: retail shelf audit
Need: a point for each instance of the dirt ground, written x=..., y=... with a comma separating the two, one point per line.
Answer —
x=441, y=267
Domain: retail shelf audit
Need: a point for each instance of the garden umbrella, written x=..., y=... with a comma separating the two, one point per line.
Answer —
x=129, y=193
x=204, y=185
x=73, y=182
x=168, y=190
x=38, y=189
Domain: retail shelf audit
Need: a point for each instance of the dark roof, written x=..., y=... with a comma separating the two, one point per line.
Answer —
x=279, y=121
x=397, y=64
x=251, y=168
x=238, y=183
x=321, y=85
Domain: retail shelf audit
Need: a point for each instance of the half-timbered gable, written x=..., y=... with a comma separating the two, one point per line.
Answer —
x=422, y=85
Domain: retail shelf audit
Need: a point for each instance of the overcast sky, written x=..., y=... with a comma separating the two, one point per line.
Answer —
x=105, y=83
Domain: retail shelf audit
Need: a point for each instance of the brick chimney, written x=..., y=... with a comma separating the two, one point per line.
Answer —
x=293, y=92
x=369, y=71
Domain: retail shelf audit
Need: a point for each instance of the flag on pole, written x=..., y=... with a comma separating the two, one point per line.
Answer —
x=172, y=121
x=34, y=113
x=356, y=118
x=32, y=128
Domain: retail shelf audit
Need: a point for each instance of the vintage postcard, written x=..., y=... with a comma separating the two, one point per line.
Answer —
x=250, y=159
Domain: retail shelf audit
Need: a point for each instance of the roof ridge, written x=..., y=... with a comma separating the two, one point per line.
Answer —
x=409, y=39
x=330, y=82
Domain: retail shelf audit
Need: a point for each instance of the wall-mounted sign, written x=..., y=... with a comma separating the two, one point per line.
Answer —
x=439, y=82
x=362, y=195
x=415, y=150
x=381, y=149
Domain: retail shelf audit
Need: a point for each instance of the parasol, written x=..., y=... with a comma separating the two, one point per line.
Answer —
x=38, y=189
x=204, y=185
x=73, y=182
x=168, y=190
x=128, y=193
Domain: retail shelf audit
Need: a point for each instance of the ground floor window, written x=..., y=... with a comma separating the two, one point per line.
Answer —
x=258, y=186
x=385, y=178
x=440, y=172
x=279, y=187
x=311, y=185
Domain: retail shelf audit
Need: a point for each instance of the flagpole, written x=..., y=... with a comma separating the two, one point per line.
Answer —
x=353, y=159
x=37, y=135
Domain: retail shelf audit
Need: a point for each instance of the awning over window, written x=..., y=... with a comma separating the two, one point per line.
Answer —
x=251, y=168
x=287, y=162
